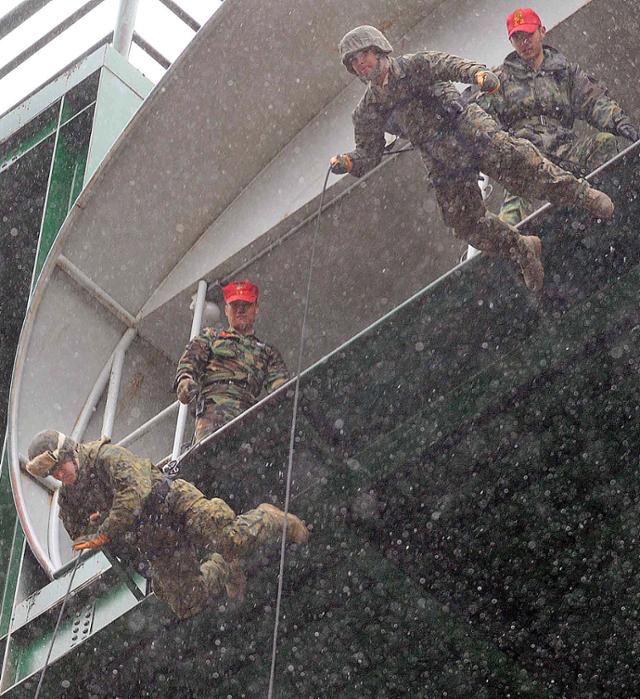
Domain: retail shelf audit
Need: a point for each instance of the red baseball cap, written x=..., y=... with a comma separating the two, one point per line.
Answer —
x=524, y=19
x=240, y=291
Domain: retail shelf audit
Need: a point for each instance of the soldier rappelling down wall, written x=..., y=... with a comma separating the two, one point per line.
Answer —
x=541, y=95
x=411, y=96
x=226, y=371
x=190, y=547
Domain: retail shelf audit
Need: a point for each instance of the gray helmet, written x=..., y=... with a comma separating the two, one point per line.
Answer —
x=364, y=37
x=48, y=449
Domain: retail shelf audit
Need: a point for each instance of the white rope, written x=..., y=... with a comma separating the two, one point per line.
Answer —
x=294, y=419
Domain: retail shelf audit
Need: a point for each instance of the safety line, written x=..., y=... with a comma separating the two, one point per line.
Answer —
x=294, y=419
x=55, y=631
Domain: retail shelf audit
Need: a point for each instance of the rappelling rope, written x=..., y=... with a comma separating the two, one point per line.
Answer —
x=55, y=631
x=294, y=419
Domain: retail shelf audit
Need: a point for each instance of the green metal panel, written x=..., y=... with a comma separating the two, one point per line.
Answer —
x=65, y=182
x=24, y=146
x=11, y=547
x=89, y=608
x=84, y=116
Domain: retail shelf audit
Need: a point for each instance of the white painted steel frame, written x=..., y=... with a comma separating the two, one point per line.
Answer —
x=196, y=324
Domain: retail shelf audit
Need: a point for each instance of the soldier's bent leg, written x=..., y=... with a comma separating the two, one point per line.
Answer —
x=520, y=166
x=211, y=419
x=463, y=210
x=586, y=154
x=591, y=152
x=259, y=527
x=201, y=519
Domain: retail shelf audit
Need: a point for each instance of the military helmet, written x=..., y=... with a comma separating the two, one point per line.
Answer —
x=47, y=450
x=360, y=38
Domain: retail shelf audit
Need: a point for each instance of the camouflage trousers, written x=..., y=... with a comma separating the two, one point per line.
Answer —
x=514, y=162
x=194, y=546
x=585, y=154
x=214, y=415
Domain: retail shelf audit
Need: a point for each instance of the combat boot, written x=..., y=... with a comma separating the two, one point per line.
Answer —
x=527, y=255
x=597, y=203
x=296, y=530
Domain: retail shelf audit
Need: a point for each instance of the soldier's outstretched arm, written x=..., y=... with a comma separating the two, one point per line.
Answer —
x=368, y=128
x=591, y=102
x=433, y=66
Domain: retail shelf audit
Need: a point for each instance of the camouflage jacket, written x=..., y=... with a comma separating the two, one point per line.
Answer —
x=418, y=102
x=542, y=105
x=112, y=481
x=231, y=368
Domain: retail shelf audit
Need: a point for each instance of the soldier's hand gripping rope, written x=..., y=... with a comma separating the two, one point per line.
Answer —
x=628, y=131
x=487, y=81
x=91, y=541
x=340, y=164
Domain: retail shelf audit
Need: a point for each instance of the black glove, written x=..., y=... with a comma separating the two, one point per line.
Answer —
x=341, y=164
x=487, y=81
x=628, y=131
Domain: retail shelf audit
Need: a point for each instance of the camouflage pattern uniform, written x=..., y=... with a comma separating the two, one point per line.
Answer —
x=541, y=105
x=231, y=370
x=420, y=104
x=188, y=543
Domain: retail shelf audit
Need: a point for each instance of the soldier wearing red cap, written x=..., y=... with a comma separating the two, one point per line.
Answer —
x=412, y=96
x=541, y=96
x=228, y=370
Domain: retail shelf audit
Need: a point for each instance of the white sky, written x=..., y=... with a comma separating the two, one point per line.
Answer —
x=154, y=23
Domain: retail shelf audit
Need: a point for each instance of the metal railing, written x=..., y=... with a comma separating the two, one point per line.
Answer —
x=122, y=37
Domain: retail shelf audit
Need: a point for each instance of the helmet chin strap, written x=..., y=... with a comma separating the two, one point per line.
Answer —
x=56, y=451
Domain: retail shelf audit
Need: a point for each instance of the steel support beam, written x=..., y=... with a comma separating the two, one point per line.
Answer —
x=14, y=18
x=149, y=424
x=96, y=291
x=195, y=329
x=125, y=24
x=181, y=14
x=48, y=37
x=114, y=382
x=153, y=53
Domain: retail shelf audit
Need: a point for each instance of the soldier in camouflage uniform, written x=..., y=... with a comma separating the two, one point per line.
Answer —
x=541, y=95
x=190, y=546
x=228, y=370
x=411, y=96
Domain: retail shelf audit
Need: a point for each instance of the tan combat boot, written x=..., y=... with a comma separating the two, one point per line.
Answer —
x=597, y=203
x=296, y=530
x=527, y=255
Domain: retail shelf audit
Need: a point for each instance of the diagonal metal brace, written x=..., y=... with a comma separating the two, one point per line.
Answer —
x=123, y=573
